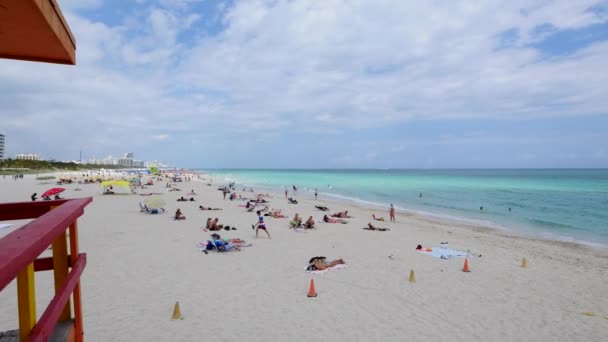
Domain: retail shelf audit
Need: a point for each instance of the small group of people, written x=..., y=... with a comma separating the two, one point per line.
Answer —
x=182, y=199
x=214, y=224
x=296, y=222
x=34, y=197
x=223, y=244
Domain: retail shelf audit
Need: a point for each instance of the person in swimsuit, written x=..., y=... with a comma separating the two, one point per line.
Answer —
x=391, y=213
x=330, y=220
x=296, y=222
x=260, y=225
x=310, y=223
x=320, y=263
x=179, y=215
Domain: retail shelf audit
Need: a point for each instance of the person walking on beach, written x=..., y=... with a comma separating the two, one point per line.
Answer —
x=316, y=194
x=391, y=213
x=260, y=225
x=286, y=192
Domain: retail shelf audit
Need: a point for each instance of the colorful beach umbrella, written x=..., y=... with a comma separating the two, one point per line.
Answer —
x=154, y=202
x=52, y=192
x=119, y=183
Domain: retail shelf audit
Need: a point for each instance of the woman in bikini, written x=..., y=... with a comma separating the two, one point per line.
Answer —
x=320, y=263
x=330, y=220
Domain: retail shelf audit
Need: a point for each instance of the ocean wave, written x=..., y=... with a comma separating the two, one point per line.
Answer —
x=552, y=224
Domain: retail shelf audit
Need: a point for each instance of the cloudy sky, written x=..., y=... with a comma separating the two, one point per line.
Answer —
x=323, y=84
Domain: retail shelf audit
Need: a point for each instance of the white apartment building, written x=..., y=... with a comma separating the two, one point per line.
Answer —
x=1, y=146
x=26, y=157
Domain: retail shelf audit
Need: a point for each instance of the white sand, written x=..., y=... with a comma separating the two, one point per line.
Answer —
x=139, y=265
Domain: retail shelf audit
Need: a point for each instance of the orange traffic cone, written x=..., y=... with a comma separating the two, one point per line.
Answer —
x=311, y=290
x=177, y=314
x=466, y=266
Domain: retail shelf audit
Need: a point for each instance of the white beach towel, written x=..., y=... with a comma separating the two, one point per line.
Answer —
x=4, y=225
x=337, y=267
x=446, y=253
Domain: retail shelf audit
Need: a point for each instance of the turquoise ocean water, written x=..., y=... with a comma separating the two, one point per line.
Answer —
x=567, y=204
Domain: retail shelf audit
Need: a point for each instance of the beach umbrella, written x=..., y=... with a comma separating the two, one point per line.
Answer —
x=154, y=202
x=117, y=183
x=52, y=192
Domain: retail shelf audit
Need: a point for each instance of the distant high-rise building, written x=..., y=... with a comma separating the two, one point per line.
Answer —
x=26, y=157
x=1, y=146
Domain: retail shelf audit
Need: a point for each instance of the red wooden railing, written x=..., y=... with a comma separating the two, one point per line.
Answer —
x=19, y=252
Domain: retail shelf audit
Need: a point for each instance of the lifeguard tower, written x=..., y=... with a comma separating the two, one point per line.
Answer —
x=35, y=30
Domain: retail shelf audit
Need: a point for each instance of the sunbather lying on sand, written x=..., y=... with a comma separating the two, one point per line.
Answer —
x=182, y=199
x=330, y=220
x=320, y=263
x=343, y=214
x=275, y=214
x=208, y=208
x=322, y=208
x=222, y=245
x=372, y=227
x=310, y=223
x=377, y=218
x=292, y=200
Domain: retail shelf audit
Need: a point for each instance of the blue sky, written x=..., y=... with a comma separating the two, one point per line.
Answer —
x=321, y=84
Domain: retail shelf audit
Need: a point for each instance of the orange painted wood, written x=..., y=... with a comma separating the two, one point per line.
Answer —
x=43, y=329
x=35, y=30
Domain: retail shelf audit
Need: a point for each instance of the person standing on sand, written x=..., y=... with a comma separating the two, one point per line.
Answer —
x=391, y=213
x=286, y=192
x=260, y=225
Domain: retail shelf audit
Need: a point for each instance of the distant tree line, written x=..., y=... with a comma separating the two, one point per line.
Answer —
x=51, y=165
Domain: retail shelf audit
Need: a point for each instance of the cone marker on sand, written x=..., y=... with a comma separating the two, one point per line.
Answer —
x=466, y=266
x=177, y=314
x=412, y=277
x=311, y=289
x=524, y=263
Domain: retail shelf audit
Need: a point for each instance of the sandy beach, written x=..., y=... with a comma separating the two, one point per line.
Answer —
x=139, y=265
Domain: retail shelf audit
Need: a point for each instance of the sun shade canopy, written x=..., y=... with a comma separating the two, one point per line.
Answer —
x=35, y=30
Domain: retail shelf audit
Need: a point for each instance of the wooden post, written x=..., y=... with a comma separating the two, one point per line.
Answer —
x=60, y=270
x=26, y=298
x=78, y=324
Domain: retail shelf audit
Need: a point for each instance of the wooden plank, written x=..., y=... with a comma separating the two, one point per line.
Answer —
x=60, y=270
x=26, y=210
x=49, y=318
x=22, y=246
x=26, y=299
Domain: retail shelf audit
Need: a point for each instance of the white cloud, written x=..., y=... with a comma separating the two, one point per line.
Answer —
x=319, y=67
